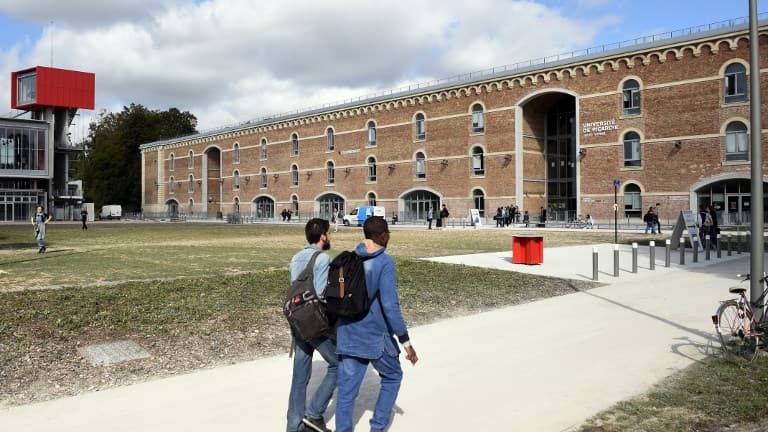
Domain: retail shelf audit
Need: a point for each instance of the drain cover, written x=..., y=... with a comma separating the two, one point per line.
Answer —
x=113, y=352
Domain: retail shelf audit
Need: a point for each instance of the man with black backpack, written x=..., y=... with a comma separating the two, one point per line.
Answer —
x=300, y=417
x=369, y=339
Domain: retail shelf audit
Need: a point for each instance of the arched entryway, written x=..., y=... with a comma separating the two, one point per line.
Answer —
x=546, y=146
x=416, y=204
x=730, y=197
x=263, y=207
x=326, y=204
x=212, y=180
x=172, y=208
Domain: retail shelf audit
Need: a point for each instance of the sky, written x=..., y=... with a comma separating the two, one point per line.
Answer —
x=230, y=61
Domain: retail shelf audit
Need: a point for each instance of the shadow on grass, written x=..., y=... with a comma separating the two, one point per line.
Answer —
x=49, y=254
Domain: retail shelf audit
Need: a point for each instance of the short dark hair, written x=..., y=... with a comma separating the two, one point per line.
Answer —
x=315, y=229
x=374, y=227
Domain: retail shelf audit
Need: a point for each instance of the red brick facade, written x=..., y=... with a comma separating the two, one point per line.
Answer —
x=681, y=124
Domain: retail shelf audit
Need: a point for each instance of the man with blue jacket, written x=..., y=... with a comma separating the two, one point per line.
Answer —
x=370, y=339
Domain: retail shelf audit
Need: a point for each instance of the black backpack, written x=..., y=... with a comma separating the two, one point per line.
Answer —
x=346, y=294
x=303, y=309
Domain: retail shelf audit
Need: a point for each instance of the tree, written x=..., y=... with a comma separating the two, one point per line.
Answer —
x=111, y=170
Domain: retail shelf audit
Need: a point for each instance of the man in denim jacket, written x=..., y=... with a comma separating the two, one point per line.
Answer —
x=369, y=340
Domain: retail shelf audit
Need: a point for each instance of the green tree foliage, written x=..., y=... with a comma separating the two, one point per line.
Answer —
x=111, y=170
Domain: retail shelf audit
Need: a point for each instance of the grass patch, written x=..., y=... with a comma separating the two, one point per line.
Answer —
x=716, y=394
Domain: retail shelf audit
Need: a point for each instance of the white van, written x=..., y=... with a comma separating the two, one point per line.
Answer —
x=110, y=212
x=360, y=214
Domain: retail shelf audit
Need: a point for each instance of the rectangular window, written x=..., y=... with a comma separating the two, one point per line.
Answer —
x=372, y=172
x=421, y=132
x=631, y=99
x=421, y=171
x=26, y=89
x=736, y=147
x=632, y=153
x=735, y=87
x=478, y=122
x=23, y=151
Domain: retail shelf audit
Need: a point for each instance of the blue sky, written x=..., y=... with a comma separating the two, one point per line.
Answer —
x=301, y=53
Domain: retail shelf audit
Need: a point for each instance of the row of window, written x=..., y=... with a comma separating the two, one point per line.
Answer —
x=420, y=131
x=736, y=145
x=734, y=89
x=478, y=168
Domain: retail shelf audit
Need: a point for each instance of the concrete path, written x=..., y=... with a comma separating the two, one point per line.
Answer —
x=541, y=366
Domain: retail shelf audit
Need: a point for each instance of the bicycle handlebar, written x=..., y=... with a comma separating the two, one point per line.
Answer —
x=746, y=276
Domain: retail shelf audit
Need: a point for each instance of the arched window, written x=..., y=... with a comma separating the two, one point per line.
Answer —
x=191, y=160
x=236, y=153
x=478, y=198
x=478, y=161
x=236, y=180
x=191, y=183
x=331, y=172
x=329, y=140
x=735, y=83
x=633, y=203
x=295, y=144
x=371, y=169
x=294, y=175
x=172, y=184
x=632, y=150
x=171, y=162
x=421, y=127
x=478, y=119
x=263, y=177
x=421, y=165
x=371, y=199
x=736, y=143
x=630, y=96
x=263, y=148
x=371, y=134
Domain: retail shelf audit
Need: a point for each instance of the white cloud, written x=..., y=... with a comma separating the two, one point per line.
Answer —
x=83, y=12
x=232, y=60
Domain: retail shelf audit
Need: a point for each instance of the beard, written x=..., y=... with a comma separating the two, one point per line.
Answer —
x=327, y=245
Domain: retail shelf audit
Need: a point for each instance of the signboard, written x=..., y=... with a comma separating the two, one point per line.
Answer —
x=686, y=221
x=349, y=151
x=599, y=128
x=474, y=218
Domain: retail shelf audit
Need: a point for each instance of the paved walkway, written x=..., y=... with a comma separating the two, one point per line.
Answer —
x=541, y=366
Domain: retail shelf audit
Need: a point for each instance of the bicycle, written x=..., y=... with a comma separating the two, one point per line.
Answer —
x=735, y=323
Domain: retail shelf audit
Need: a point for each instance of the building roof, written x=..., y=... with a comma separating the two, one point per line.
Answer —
x=677, y=37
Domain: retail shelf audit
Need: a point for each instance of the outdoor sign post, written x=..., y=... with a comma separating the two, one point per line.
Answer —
x=616, y=184
x=756, y=258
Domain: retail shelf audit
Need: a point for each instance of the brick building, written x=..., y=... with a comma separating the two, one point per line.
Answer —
x=668, y=117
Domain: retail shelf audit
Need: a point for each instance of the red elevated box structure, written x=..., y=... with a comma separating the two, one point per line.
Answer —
x=41, y=87
x=527, y=249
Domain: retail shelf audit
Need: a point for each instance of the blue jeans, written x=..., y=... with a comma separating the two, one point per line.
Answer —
x=351, y=373
x=302, y=372
x=650, y=226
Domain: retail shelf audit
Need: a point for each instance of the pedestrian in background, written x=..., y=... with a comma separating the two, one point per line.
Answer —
x=84, y=218
x=39, y=220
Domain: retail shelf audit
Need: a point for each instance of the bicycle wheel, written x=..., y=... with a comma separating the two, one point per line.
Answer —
x=730, y=330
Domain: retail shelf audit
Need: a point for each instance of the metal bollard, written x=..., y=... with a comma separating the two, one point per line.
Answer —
x=717, y=247
x=695, y=251
x=594, y=264
x=668, y=253
x=747, y=243
x=634, y=257
x=707, y=246
x=652, y=246
x=738, y=242
x=615, y=260
x=729, y=245
x=682, y=251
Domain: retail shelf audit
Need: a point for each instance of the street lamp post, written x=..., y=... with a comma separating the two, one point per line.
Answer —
x=756, y=264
